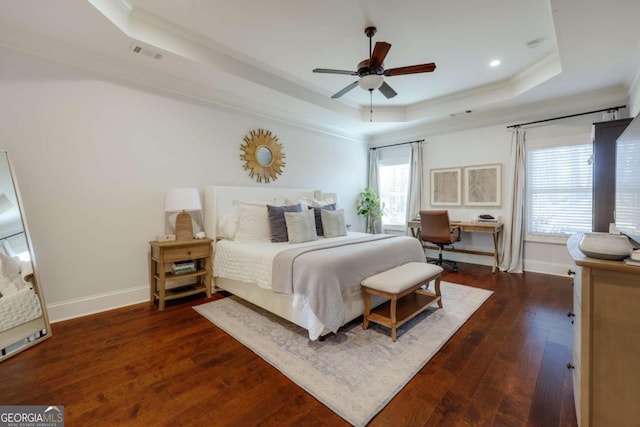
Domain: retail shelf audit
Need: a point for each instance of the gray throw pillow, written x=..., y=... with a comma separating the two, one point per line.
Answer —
x=301, y=226
x=277, y=222
x=333, y=223
x=318, y=218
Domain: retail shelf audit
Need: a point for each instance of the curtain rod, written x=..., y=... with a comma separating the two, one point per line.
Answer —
x=399, y=143
x=566, y=117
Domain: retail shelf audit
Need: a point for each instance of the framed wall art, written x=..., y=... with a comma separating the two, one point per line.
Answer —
x=446, y=187
x=482, y=185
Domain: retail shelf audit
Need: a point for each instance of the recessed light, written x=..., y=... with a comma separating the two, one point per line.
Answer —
x=494, y=63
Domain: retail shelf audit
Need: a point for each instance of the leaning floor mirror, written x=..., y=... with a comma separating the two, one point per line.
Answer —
x=23, y=315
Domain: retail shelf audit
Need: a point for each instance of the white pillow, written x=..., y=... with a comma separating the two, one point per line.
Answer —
x=333, y=223
x=227, y=226
x=253, y=221
x=301, y=226
x=310, y=201
x=319, y=203
x=8, y=265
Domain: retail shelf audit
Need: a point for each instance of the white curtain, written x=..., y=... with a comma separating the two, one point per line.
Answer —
x=414, y=201
x=373, y=181
x=513, y=237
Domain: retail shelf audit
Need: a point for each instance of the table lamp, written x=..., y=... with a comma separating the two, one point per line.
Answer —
x=183, y=200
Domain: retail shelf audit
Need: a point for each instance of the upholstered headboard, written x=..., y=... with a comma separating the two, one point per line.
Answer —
x=218, y=200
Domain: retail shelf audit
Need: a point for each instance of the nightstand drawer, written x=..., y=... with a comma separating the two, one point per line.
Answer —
x=178, y=254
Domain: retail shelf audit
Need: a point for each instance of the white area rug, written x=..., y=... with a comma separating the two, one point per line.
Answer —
x=357, y=372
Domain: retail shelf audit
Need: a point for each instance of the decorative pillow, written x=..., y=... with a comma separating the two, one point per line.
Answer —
x=277, y=222
x=301, y=226
x=227, y=226
x=318, y=218
x=333, y=223
x=253, y=221
x=320, y=203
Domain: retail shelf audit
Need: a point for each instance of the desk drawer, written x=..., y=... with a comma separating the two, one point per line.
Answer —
x=476, y=229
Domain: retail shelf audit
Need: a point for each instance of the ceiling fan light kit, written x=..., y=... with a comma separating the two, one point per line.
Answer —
x=371, y=82
x=371, y=71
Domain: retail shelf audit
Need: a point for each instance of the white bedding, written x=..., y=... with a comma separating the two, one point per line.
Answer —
x=252, y=262
x=19, y=308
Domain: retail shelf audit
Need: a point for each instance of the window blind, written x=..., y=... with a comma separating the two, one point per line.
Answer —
x=628, y=185
x=559, y=190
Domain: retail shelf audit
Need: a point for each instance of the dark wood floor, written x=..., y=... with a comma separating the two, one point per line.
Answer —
x=136, y=366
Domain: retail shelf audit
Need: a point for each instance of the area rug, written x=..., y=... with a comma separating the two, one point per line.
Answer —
x=356, y=372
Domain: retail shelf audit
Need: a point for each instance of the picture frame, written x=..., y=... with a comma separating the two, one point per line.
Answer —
x=483, y=185
x=446, y=187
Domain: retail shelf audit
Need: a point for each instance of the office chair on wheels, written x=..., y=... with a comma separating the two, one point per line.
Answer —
x=435, y=228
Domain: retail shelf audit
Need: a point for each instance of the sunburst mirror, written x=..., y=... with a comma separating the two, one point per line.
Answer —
x=262, y=155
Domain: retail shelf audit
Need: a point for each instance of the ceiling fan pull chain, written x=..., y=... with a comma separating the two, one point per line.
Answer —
x=370, y=105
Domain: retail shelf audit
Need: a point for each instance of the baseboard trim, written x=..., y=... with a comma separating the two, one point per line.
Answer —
x=97, y=303
x=547, y=268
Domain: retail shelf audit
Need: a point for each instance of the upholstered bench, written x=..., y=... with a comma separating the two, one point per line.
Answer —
x=402, y=285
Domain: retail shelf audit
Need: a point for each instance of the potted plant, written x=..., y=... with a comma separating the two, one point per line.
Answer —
x=370, y=206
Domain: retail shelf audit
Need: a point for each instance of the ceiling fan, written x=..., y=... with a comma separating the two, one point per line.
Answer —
x=371, y=71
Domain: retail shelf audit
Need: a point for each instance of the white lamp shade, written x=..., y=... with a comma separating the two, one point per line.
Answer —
x=371, y=82
x=182, y=199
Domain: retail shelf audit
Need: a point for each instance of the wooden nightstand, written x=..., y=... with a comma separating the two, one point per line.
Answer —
x=162, y=254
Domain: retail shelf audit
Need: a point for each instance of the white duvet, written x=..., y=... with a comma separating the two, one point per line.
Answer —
x=252, y=262
x=19, y=308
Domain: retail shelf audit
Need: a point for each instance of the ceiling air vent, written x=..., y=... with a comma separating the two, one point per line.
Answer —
x=146, y=52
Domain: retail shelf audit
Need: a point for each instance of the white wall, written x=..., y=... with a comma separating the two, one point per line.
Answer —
x=492, y=144
x=634, y=97
x=94, y=159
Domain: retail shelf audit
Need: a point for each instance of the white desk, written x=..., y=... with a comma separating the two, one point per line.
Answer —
x=494, y=228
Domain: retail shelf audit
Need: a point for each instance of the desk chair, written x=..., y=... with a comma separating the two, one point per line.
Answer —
x=435, y=228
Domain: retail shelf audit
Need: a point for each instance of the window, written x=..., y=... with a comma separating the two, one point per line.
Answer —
x=394, y=188
x=559, y=190
x=393, y=171
x=628, y=187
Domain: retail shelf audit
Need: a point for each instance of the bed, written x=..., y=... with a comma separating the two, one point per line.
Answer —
x=20, y=309
x=314, y=284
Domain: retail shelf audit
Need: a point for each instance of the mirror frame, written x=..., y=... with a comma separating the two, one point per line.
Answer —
x=254, y=141
x=35, y=280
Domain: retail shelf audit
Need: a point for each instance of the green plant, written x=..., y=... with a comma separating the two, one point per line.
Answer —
x=370, y=206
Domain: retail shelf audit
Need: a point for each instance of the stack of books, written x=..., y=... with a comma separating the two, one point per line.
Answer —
x=183, y=267
x=634, y=258
x=487, y=218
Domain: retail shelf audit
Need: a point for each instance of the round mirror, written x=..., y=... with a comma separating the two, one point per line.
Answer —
x=263, y=155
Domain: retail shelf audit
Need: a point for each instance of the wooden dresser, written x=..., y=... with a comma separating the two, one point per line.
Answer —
x=606, y=304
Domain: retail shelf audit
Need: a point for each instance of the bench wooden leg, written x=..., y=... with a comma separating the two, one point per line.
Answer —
x=367, y=308
x=394, y=323
x=438, y=291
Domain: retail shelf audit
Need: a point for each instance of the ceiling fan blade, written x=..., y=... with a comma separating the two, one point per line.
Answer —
x=411, y=69
x=329, y=71
x=387, y=91
x=379, y=53
x=345, y=90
